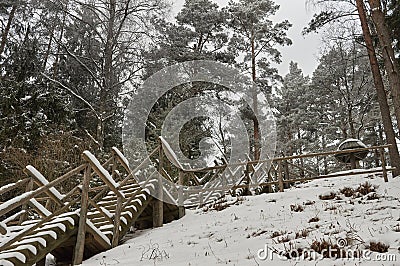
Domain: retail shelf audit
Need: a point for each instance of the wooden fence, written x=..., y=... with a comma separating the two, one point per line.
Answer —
x=273, y=174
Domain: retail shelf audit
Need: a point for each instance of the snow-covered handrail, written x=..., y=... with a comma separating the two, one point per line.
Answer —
x=12, y=186
x=102, y=173
x=169, y=152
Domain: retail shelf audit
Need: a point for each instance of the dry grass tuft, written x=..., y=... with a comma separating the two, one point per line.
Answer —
x=330, y=196
x=378, y=247
x=296, y=208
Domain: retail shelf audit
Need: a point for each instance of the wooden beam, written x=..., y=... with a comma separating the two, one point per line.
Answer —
x=117, y=221
x=40, y=190
x=80, y=238
x=158, y=203
x=3, y=229
x=18, y=184
x=383, y=160
x=28, y=188
x=180, y=194
x=131, y=172
x=280, y=177
x=98, y=169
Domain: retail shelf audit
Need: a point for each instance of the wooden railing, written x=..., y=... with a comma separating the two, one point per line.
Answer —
x=278, y=172
x=44, y=196
x=191, y=187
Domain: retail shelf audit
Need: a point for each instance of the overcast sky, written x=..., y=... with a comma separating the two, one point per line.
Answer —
x=305, y=49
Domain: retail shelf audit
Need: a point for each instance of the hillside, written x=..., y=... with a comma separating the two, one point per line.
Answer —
x=297, y=219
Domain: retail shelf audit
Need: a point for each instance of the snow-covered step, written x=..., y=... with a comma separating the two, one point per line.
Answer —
x=130, y=189
x=99, y=224
x=46, y=235
x=6, y=257
x=130, y=186
x=127, y=194
x=99, y=220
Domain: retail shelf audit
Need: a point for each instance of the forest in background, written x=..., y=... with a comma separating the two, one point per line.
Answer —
x=70, y=67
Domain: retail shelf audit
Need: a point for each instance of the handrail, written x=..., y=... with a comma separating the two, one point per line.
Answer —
x=40, y=190
x=10, y=187
x=132, y=172
x=72, y=199
x=290, y=158
x=102, y=173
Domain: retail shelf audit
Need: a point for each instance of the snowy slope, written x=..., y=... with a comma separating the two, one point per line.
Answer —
x=235, y=235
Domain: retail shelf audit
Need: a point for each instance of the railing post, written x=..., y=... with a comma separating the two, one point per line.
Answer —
x=201, y=199
x=81, y=235
x=384, y=171
x=118, y=209
x=24, y=216
x=114, y=166
x=117, y=221
x=286, y=167
x=180, y=194
x=158, y=204
x=247, y=178
x=353, y=162
x=280, y=176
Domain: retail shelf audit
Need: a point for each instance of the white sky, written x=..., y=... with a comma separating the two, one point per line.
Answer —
x=305, y=49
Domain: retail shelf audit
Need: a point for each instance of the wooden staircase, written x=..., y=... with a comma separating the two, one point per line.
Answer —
x=91, y=218
x=110, y=198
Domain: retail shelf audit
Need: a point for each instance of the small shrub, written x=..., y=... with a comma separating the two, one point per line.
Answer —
x=328, y=196
x=378, y=247
x=347, y=191
x=309, y=202
x=331, y=208
x=283, y=239
x=314, y=220
x=220, y=206
x=277, y=233
x=322, y=246
x=373, y=196
x=302, y=234
x=396, y=228
x=296, y=208
x=366, y=188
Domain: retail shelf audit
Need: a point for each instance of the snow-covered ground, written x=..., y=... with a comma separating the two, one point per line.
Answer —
x=239, y=234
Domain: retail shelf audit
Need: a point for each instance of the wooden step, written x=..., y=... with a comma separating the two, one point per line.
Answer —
x=31, y=246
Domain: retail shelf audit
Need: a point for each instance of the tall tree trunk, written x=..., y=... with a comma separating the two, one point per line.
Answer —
x=4, y=35
x=257, y=141
x=48, y=50
x=380, y=90
x=57, y=59
x=324, y=157
x=351, y=122
x=107, y=86
x=389, y=59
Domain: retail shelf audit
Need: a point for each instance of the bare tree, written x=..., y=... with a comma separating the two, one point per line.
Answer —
x=119, y=30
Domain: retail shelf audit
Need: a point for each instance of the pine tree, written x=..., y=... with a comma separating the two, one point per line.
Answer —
x=257, y=37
